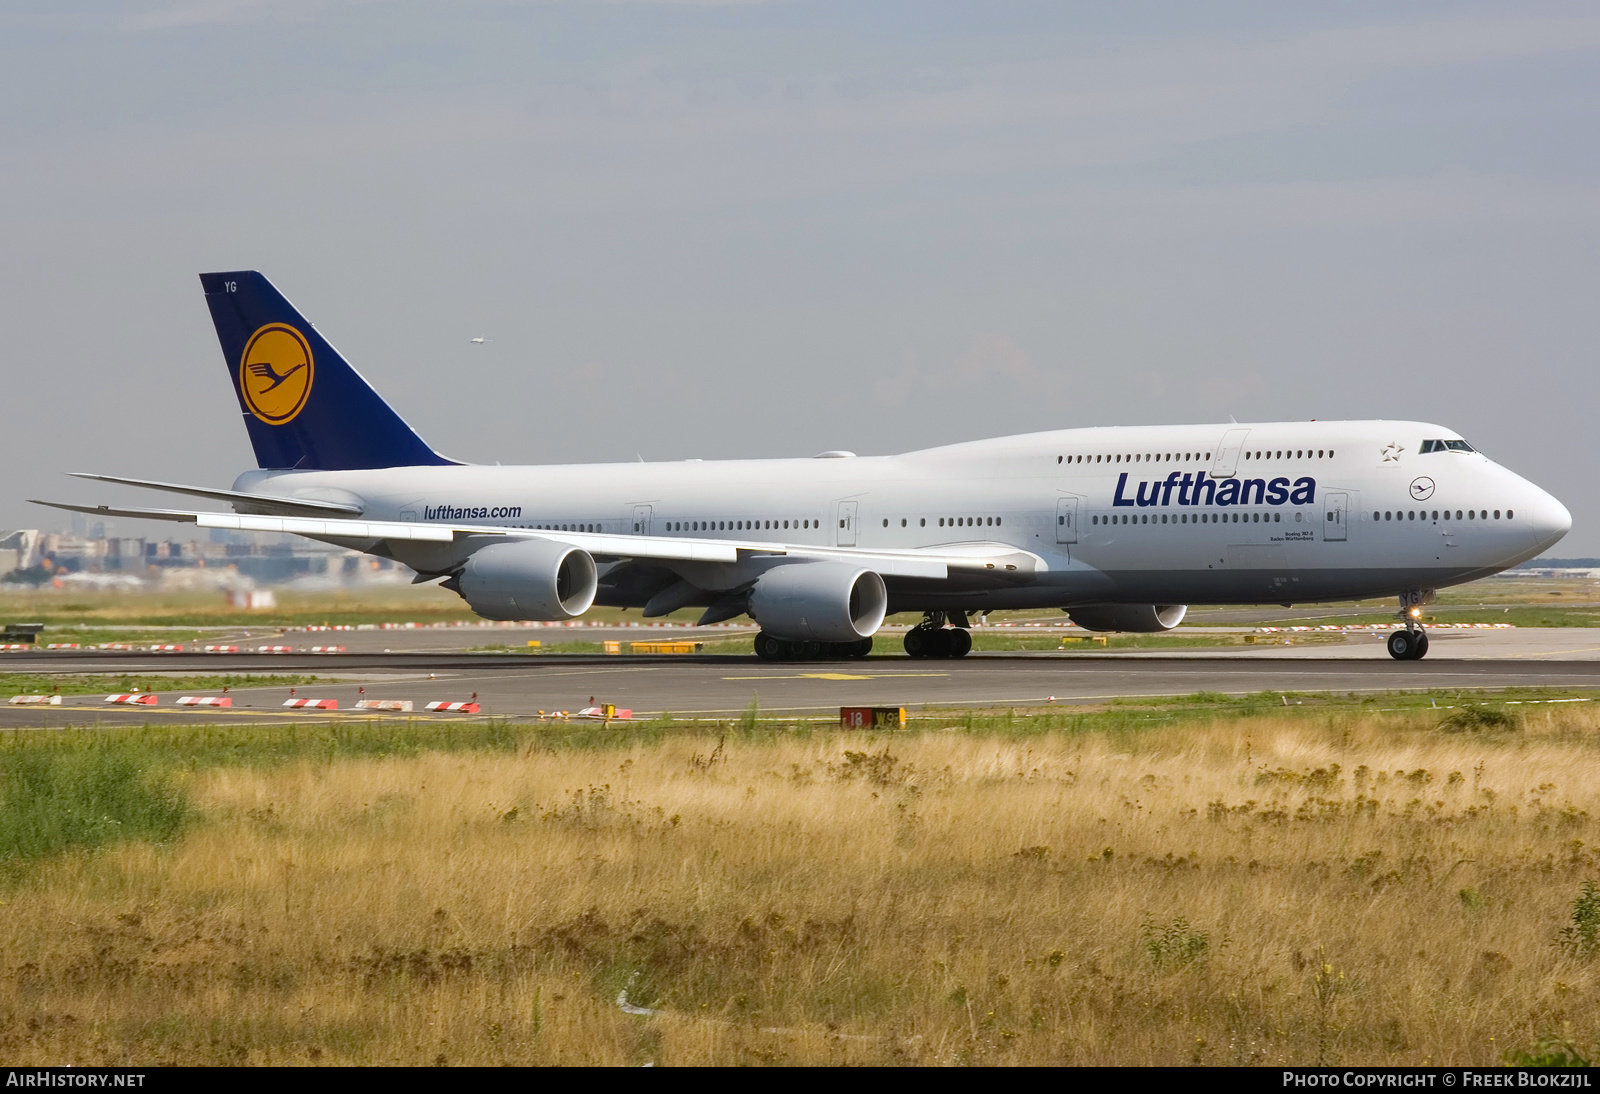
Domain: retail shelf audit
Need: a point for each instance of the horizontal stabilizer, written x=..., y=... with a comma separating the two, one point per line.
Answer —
x=272, y=503
x=299, y=526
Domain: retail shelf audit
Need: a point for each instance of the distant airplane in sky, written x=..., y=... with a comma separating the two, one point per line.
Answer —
x=1120, y=527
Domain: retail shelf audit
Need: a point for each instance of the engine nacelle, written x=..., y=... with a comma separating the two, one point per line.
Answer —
x=1138, y=618
x=528, y=579
x=819, y=602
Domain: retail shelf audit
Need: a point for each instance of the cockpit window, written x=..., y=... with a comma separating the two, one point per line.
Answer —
x=1459, y=446
x=1446, y=446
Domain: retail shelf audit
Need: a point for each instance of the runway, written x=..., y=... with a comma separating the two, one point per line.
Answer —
x=522, y=685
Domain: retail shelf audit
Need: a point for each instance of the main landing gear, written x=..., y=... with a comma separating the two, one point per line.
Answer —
x=769, y=648
x=1410, y=644
x=931, y=638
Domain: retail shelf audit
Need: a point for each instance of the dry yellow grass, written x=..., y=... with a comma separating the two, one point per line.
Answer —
x=1274, y=890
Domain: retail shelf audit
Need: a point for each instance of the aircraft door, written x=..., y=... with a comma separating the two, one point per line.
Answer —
x=1066, y=520
x=1335, y=515
x=847, y=524
x=1227, y=461
x=641, y=520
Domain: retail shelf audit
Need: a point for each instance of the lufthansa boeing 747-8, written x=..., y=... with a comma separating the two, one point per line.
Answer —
x=1119, y=527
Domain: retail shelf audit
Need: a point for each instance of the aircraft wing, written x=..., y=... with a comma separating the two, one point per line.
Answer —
x=994, y=559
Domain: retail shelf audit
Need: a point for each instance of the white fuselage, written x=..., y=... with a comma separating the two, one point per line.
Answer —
x=1278, y=512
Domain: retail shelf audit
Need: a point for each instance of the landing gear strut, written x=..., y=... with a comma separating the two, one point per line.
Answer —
x=1410, y=644
x=931, y=638
x=769, y=648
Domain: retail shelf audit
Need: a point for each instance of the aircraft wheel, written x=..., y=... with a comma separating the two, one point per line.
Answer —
x=1421, y=646
x=809, y=651
x=959, y=643
x=858, y=649
x=1403, y=646
x=917, y=642
x=768, y=648
x=939, y=642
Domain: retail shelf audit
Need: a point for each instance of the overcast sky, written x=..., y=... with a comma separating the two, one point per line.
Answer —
x=714, y=230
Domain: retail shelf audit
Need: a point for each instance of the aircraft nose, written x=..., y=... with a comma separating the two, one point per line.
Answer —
x=1549, y=521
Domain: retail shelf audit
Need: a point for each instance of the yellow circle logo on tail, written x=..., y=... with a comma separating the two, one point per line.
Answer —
x=275, y=373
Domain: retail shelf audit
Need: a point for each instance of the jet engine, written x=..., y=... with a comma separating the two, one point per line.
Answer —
x=1138, y=618
x=527, y=579
x=819, y=602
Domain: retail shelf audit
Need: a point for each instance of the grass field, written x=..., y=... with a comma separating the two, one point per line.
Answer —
x=1268, y=880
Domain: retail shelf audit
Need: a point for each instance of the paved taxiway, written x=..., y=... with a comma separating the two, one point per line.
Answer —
x=518, y=685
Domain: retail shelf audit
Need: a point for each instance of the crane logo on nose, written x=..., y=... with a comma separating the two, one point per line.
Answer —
x=1421, y=489
x=275, y=373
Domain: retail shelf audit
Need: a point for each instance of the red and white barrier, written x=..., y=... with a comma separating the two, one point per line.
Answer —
x=205, y=701
x=62, y=646
x=454, y=708
x=116, y=646
x=402, y=705
x=327, y=649
x=274, y=649
x=312, y=704
x=136, y=699
x=16, y=646
x=165, y=649
x=36, y=700
x=615, y=713
x=222, y=649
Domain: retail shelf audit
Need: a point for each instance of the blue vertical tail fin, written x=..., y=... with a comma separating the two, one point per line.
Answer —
x=304, y=406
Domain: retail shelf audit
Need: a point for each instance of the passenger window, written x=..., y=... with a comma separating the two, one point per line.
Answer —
x=1497, y=514
x=1508, y=514
x=922, y=522
x=902, y=522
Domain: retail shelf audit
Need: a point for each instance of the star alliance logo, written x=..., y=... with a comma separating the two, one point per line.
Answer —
x=1391, y=452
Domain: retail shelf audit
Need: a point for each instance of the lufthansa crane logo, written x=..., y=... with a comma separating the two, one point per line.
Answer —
x=275, y=373
x=1422, y=489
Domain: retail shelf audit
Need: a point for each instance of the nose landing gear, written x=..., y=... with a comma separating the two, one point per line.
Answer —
x=1410, y=644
